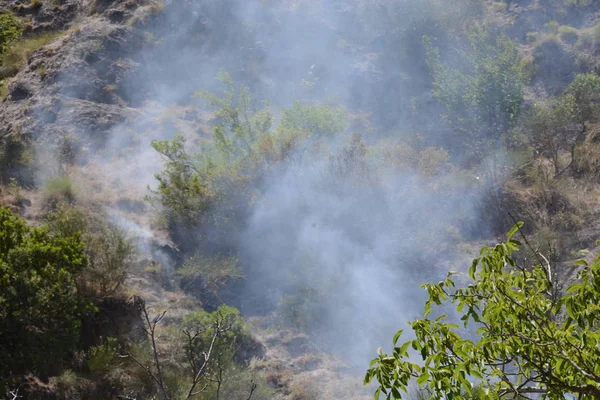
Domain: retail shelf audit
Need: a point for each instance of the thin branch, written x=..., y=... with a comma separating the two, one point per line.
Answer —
x=218, y=329
x=572, y=154
x=253, y=387
x=536, y=253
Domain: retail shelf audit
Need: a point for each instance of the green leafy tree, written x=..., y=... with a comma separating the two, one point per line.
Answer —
x=552, y=129
x=240, y=122
x=483, y=97
x=214, y=187
x=40, y=308
x=531, y=339
x=585, y=90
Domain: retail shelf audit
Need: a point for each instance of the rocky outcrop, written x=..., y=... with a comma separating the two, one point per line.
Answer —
x=72, y=85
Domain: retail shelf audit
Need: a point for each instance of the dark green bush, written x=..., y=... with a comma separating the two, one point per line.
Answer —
x=40, y=307
x=108, y=249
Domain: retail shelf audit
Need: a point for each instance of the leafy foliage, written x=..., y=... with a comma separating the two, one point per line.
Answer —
x=484, y=98
x=40, y=308
x=530, y=338
x=10, y=30
x=211, y=190
x=107, y=248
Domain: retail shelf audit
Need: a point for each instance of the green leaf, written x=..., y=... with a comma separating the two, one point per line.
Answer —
x=473, y=268
x=397, y=336
x=423, y=378
x=514, y=229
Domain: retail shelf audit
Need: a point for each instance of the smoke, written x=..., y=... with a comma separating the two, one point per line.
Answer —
x=350, y=253
x=354, y=254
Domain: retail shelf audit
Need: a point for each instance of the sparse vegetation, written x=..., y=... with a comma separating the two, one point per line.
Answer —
x=15, y=56
x=59, y=189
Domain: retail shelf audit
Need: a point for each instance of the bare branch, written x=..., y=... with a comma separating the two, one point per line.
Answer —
x=253, y=387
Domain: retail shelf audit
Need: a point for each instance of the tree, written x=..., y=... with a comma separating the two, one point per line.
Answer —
x=585, y=89
x=552, y=128
x=209, y=344
x=483, y=98
x=558, y=124
x=214, y=187
x=530, y=339
x=40, y=308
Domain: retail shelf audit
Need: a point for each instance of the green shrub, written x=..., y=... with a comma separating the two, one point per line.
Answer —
x=552, y=27
x=40, y=307
x=16, y=155
x=303, y=310
x=431, y=160
x=585, y=89
x=483, y=97
x=108, y=249
x=532, y=37
x=209, y=273
x=577, y=3
x=10, y=30
x=102, y=357
x=313, y=119
x=589, y=39
x=57, y=190
x=212, y=189
x=568, y=34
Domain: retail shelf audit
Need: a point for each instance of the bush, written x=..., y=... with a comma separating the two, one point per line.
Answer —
x=206, y=194
x=16, y=155
x=589, y=39
x=57, y=190
x=568, y=34
x=303, y=310
x=206, y=275
x=108, y=250
x=532, y=37
x=101, y=357
x=313, y=119
x=482, y=97
x=10, y=30
x=40, y=307
x=431, y=160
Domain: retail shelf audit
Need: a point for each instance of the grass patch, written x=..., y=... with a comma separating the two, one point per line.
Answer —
x=3, y=90
x=58, y=190
x=18, y=52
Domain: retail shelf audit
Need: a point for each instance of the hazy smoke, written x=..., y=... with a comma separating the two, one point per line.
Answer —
x=358, y=252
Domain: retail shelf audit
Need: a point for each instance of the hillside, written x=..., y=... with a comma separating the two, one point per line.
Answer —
x=239, y=199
